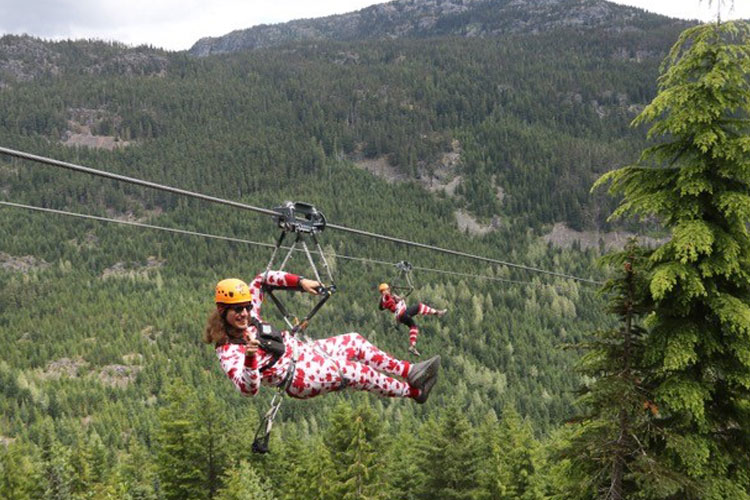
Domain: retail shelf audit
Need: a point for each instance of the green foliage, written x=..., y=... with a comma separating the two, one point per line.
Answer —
x=446, y=457
x=243, y=483
x=181, y=464
x=353, y=443
x=607, y=452
x=20, y=477
x=137, y=473
x=57, y=472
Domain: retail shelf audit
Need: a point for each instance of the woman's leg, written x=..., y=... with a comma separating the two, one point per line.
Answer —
x=365, y=378
x=314, y=375
x=407, y=320
x=354, y=347
x=426, y=310
x=330, y=364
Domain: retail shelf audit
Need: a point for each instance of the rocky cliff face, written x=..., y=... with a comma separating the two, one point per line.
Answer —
x=428, y=18
x=24, y=58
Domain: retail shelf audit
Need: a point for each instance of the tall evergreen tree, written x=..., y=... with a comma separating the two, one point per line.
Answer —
x=494, y=475
x=696, y=181
x=88, y=462
x=244, y=483
x=181, y=467
x=519, y=450
x=58, y=473
x=608, y=458
x=19, y=474
x=361, y=475
x=211, y=433
x=308, y=472
x=353, y=441
x=448, y=457
x=138, y=472
x=401, y=466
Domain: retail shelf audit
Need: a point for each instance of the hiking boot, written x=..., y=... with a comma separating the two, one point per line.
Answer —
x=413, y=350
x=421, y=372
x=441, y=313
x=424, y=392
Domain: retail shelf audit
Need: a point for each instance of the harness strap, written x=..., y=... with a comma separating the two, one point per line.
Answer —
x=271, y=341
x=260, y=443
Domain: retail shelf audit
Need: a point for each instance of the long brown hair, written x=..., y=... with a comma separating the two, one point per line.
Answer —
x=216, y=329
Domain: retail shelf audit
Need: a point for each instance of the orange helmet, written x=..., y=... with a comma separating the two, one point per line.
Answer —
x=232, y=291
x=383, y=287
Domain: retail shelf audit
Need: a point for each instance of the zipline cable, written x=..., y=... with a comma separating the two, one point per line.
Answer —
x=264, y=211
x=132, y=223
x=258, y=243
x=132, y=180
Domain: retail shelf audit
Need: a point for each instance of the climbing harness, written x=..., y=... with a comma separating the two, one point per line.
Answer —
x=304, y=221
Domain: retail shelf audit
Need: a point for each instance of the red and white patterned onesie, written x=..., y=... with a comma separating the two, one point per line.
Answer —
x=405, y=314
x=393, y=303
x=323, y=366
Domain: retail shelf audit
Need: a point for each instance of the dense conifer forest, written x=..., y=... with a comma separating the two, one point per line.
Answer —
x=105, y=388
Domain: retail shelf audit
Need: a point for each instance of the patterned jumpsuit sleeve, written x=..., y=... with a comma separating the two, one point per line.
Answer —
x=323, y=366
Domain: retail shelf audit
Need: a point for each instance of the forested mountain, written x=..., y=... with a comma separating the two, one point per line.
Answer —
x=105, y=388
x=497, y=124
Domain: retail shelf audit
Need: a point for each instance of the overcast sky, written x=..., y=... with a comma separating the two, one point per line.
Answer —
x=177, y=24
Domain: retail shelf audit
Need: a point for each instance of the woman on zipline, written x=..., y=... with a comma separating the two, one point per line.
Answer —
x=404, y=314
x=252, y=353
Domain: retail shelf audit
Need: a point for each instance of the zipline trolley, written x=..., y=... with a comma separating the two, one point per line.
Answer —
x=402, y=280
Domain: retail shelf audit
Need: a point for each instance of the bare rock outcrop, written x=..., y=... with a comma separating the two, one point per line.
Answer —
x=24, y=264
x=466, y=222
x=123, y=269
x=562, y=236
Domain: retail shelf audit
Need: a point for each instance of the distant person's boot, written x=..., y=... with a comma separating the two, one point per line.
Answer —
x=413, y=350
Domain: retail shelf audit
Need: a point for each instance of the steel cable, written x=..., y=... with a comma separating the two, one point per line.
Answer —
x=258, y=243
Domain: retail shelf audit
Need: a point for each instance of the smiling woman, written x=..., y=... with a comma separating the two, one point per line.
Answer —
x=253, y=353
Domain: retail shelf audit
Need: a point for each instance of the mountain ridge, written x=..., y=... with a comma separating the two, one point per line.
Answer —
x=431, y=18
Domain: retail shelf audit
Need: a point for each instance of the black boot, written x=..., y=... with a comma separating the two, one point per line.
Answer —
x=420, y=373
x=424, y=392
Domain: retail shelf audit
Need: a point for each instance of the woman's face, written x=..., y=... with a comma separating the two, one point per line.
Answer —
x=238, y=316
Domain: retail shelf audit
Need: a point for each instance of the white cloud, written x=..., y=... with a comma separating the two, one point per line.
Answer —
x=694, y=9
x=171, y=24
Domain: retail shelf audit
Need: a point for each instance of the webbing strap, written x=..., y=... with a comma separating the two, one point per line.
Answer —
x=260, y=442
x=324, y=292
